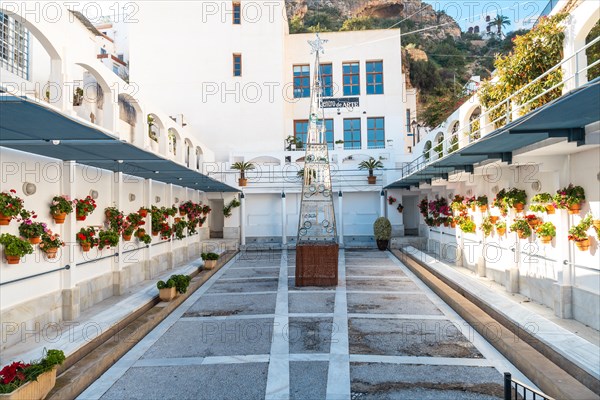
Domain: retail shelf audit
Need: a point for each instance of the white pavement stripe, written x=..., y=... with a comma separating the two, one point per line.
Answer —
x=247, y=268
x=278, y=378
x=116, y=372
x=398, y=316
x=381, y=277
x=468, y=362
x=226, y=317
x=254, y=278
x=384, y=292
x=191, y=361
x=338, y=374
x=239, y=293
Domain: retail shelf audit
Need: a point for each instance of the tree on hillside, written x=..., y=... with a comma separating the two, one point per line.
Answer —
x=358, y=24
x=500, y=22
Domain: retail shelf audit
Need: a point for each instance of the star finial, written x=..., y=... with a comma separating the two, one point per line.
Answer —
x=317, y=45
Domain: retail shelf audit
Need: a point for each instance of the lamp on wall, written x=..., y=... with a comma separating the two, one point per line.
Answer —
x=157, y=199
x=537, y=185
x=131, y=197
x=29, y=188
x=94, y=194
x=176, y=200
x=283, y=195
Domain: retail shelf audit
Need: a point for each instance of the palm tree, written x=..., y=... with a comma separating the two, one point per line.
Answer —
x=371, y=165
x=499, y=22
x=242, y=167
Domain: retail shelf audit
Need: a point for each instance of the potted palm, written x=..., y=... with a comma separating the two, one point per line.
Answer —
x=50, y=244
x=10, y=206
x=521, y=226
x=570, y=198
x=382, y=229
x=210, y=260
x=546, y=232
x=371, y=164
x=60, y=207
x=243, y=167
x=14, y=248
x=32, y=381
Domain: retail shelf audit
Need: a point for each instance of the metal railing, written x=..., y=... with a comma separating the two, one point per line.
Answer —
x=36, y=275
x=509, y=107
x=514, y=389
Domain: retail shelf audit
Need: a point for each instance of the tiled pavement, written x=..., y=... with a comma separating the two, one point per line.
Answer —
x=248, y=333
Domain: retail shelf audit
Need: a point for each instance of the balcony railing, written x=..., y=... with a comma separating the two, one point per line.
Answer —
x=509, y=108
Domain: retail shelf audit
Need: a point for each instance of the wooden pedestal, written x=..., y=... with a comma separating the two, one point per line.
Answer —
x=317, y=264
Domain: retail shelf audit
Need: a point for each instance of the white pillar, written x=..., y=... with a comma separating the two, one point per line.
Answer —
x=70, y=292
x=117, y=262
x=283, y=220
x=243, y=219
x=340, y=225
x=382, y=204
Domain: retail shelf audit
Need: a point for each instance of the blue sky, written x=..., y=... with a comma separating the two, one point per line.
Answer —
x=469, y=13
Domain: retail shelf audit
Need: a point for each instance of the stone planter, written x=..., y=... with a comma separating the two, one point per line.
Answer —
x=583, y=245
x=4, y=220
x=34, y=390
x=59, y=218
x=210, y=264
x=35, y=240
x=167, y=294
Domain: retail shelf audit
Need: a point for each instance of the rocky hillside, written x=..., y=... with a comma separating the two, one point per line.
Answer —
x=335, y=12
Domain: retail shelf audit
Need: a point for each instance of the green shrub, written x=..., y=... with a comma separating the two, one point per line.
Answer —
x=382, y=228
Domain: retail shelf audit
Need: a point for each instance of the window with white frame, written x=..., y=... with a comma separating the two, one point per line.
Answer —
x=14, y=46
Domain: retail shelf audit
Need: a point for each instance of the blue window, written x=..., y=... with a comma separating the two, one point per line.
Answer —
x=102, y=50
x=301, y=81
x=116, y=69
x=352, y=133
x=329, y=133
x=326, y=72
x=237, y=65
x=375, y=77
x=351, y=79
x=376, y=133
x=237, y=13
x=301, y=131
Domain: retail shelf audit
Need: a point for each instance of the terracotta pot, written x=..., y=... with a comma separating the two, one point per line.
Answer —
x=494, y=219
x=575, y=209
x=519, y=207
x=177, y=220
x=372, y=180
x=143, y=213
x=453, y=224
x=4, y=220
x=483, y=208
x=85, y=247
x=583, y=245
x=107, y=214
x=550, y=209
x=35, y=240
x=596, y=223
x=182, y=213
x=154, y=233
x=382, y=244
x=51, y=252
x=242, y=182
x=210, y=264
x=59, y=218
x=126, y=238
x=533, y=223
x=81, y=217
x=12, y=259
x=473, y=207
x=501, y=231
x=141, y=233
x=546, y=239
x=167, y=294
x=521, y=234
x=446, y=224
x=33, y=390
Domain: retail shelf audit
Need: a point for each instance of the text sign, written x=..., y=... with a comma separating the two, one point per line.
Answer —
x=347, y=102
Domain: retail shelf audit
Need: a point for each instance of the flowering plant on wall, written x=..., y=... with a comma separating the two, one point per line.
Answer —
x=108, y=239
x=498, y=202
x=206, y=209
x=400, y=208
x=50, y=243
x=542, y=202
x=232, y=204
x=457, y=203
x=84, y=207
x=87, y=236
x=115, y=219
x=15, y=247
x=10, y=206
x=569, y=197
x=61, y=205
x=30, y=229
x=424, y=207
x=521, y=226
x=391, y=200
x=186, y=207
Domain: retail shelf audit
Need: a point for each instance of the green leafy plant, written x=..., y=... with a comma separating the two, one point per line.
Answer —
x=181, y=282
x=28, y=228
x=115, y=219
x=61, y=204
x=457, y=203
x=515, y=196
x=84, y=207
x=569, y=196
x=14, y=246
x=209, y=256
x=578, y=232
x=521, y=226
x=481, y=201
x=243, y=167
x=231, y=205
x=370, y=165
x=468, y=226
x=146, y=239
x=108, y=239
x=170, y=283
x=486, y=226
x=427, y=150
x=19, y=373
x=10, y=204
x=382, y=229
x=453, y=144
x=539, y=202
x=546, y=229
x=501, y=224
x=179, y=228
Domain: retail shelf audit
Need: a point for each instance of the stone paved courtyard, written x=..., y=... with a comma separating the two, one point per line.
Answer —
x=248, y=333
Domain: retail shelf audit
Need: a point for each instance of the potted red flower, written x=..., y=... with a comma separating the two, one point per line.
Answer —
x=87, y=239
x=10, y=206
x=29, y=229
x=60, y=207
x=84, y=207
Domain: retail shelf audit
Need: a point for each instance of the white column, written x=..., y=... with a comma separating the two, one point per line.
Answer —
x=243, y=219
x=283, y=219
x=148, y=204
x=169, y=203
x=70, y=292
x=117, y=262
x=340, y=225
x=382, y=204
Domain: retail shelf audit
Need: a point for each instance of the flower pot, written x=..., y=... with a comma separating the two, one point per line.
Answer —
x=81, y=217
x=126, y=238
x=446, y=224
x=177, y=220
x=4, y=220
x=546, y=239
x=575, y=209
x=182, y=213
x=167, y=294
x=596, y=223
x=494, y=219
x=533, y=223
x=521, y=234
x=85, y=247
x=51, y=252
x=154, y=233
x=242, y=182
x=143, y=213
x=141, y=233
x=501, y=231
x=33, y=390
x=35, y=240
x=383, y=244
x=550, y=209
x=483, y=208
x=12, y=259
x=59, y=218
x=583, y=245
x=210, y=264
x=107, y=214
x=372, y=180
x=452, y=224
x=519, y=207
x=473, y=207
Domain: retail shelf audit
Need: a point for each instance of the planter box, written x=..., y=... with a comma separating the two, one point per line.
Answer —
x=210, y=264
x=35, y=390
x=167, y=294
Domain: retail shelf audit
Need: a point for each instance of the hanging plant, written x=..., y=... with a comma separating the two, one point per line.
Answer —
x=14, y=248
x=60, y=207
x=84, y=207
x=107, y=239
x=391, y=200
x=546, y=232
x=515, y=198
x=570, y=198
x=232, y=204
x=86, y=237
x=499, y=202
x=115, y=219
x=487, y=226
x=468, y=226
x=578, y=233
x=179, y=228
x=10, y=206
x=30, y=229
x=458, y=204
x=542, y=202
x=424, y=207
x=50, y=244
x=521, y=226
x=501, y=228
